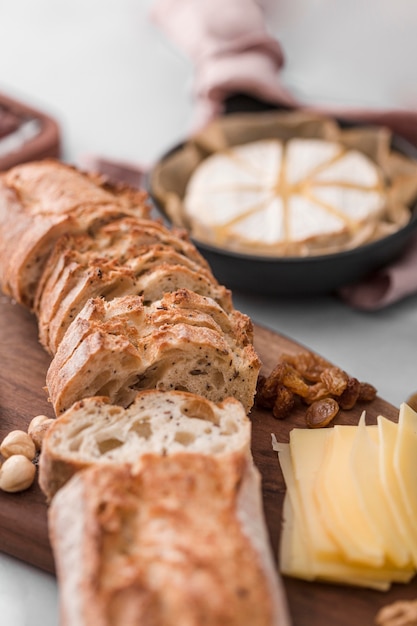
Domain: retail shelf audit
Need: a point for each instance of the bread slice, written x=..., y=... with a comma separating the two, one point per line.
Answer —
x=183, y=341
x=117, y=259
x=40, y=202
x=93, y=431
x=109, y=281
x=172, y=534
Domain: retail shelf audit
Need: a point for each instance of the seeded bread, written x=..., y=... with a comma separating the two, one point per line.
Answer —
x=68, y=238
x=119, y=258
x=41, y=201
x=167, y=528
x=155, y=504
x=183, y=341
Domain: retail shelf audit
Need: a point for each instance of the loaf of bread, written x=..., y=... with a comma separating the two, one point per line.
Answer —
x=182, y=341
x=71, y=244
x=155, y=513
x=41, y=201
x=164, y=525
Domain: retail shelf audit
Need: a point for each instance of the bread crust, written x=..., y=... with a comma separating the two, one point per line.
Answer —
x=162, y=504
x=93, y=431
x=126, y=256
x=184, y=341
x=40, y=202
x=155, y=505
x=153, y=548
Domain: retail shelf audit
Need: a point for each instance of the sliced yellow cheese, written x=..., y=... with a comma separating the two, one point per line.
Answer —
x=372, y=497
x=297, y=554
x=340, y=504
x=405, y=463
x=350, y=507
x=294, y=555
x=307, y=450
x=388, y=432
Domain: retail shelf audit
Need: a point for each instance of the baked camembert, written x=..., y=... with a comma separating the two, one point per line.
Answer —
x=300, y=197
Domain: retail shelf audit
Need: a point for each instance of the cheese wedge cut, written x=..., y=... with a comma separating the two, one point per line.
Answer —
x=289, y=197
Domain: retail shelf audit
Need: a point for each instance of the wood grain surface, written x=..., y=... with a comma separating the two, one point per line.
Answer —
x=23, y=517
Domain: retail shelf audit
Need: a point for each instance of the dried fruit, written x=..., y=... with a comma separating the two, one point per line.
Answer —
x=284, y=402
x=316, y=392
x=335, y=379
x=265, y=393
x=289, y=377
x=310, y=378
x=308, y=364
x=367, y=392
x=349, y=397
x=321, y=413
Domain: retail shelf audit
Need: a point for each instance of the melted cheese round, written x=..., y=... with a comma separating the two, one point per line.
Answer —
x=295, y=198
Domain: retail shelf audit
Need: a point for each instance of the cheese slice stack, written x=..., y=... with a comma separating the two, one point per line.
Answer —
x=350, y=509
x=285, y=198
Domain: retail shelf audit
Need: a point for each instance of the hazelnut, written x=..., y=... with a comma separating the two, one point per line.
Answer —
x=18, y=442
x=17, y=473
x=38, y=428
x=399, y=613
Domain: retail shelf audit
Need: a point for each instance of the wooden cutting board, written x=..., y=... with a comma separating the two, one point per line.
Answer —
x=23, y=517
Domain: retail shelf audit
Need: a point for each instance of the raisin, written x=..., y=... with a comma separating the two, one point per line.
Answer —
x=349, y=397
x=367, y=392
x=321, y=412
x=316, y=392
x=309, y=365
x=288, y=376
x=265, y=393
x=284, y=402
x=335, y=379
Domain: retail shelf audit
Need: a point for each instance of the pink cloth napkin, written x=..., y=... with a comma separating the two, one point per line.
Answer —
x=230, y=47
x=232, y=52
x=387, y=285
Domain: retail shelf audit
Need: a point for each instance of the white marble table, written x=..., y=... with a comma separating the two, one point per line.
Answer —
x=119, y=89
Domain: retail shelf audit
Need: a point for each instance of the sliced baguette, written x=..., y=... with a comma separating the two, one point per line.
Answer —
x=183, y=341
x=118, y=259
x=93, y=431
x=169, y=525
x=40, y=202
